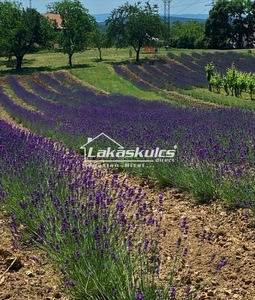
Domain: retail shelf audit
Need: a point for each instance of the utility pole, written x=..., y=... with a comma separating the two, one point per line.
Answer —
x=167, y=19
x=30, y=3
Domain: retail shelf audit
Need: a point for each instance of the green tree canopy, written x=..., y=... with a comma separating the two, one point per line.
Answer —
x=20, y=29
x=186, y=35
x=134, y=25
x=76, y=25
x=230, y=22
x=99, y=40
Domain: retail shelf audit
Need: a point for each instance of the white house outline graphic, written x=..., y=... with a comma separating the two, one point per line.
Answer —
x=90, y=140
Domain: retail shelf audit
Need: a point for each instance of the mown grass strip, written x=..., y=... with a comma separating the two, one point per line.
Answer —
x=207, y=96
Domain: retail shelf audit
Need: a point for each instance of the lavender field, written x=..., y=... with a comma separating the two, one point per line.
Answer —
x=71, y=212
x=183, y=71
x=215, y=145
x=95, y=227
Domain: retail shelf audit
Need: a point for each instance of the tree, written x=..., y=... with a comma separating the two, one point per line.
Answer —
x=20, y=29
x=185, y=35
x=99, y=40
x=250, y=23
x=238, y=12
x=217, y=26
x=230, y=22
x=134, y=25
x=76, y=25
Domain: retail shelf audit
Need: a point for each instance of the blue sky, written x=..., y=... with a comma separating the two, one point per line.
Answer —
x=106, y=6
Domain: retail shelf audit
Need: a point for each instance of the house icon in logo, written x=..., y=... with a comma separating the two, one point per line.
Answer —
x=116, y=153
x=91, y=140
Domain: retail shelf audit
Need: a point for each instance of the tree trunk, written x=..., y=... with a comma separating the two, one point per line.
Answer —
x=19, y=62
x=137, y=54
x=70, y=60
x=100, y=54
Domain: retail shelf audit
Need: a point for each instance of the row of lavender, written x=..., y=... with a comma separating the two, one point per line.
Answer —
x=222, y=60
x=95, y=228
x=223, y=139
x=166, y=76
x=117, y=109
x=182, y=71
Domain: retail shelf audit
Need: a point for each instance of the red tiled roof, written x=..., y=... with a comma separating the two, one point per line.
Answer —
x=55, y=17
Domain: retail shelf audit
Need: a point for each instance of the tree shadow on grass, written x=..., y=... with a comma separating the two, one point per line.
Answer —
x=97, y=60
x=33, y=70
x=132, y=61
x=109, y=61
x=11, y=63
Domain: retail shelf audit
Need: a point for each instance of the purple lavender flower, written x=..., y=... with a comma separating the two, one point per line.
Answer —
x=146, y=244
x=160, y=199
x=220, y=264
x=37, y=260
x=160, y=295
x=150, y=220
x=62, y=270
x=184, y=226
x=187, y=292
x=72, y=284
x=139, y=294
x=185, y=251
x=212, y=258
x=114, y=256
x=120, y=206
x=78, y=254
x=179, y=242
x=97, y=233
x=202, y=238
x=172, y=293
x=67, y=283
x=104, y=229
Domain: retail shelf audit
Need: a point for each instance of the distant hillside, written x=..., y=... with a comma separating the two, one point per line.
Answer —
x=192, y=16
x=101, y=17
x=175, y=18
x=182, y=18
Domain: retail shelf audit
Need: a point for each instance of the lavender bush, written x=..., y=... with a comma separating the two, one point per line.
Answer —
x=103, y=235
x=164, y=75
x=172, y=77
x=224, y=60
x=139, y=83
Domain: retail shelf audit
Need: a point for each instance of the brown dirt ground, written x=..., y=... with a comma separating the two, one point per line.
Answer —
x=21, y=278
x=232, y=236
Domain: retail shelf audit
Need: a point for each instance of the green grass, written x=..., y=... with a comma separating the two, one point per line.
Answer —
x=221, y=99
x=103, y=77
